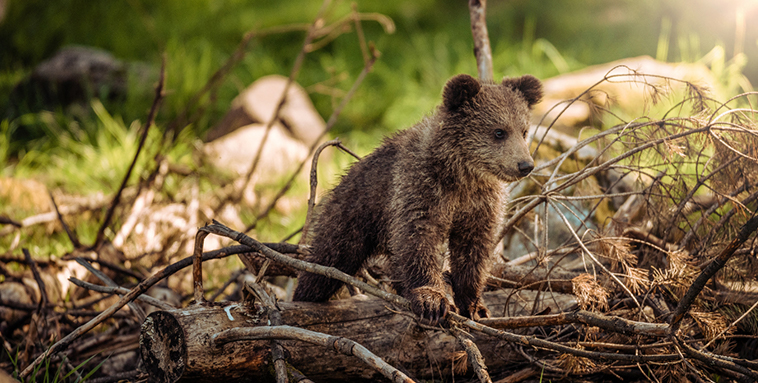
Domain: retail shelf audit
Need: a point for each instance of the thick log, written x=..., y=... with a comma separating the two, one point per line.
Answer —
x=533, y=278
x=176, y=345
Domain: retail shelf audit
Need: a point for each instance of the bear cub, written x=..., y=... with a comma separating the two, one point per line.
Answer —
x=439, y=182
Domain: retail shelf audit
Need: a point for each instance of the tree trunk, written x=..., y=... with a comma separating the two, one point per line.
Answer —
x=176, y=344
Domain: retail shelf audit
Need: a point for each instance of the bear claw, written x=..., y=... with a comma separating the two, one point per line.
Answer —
x=430, y=303
x=476, y=310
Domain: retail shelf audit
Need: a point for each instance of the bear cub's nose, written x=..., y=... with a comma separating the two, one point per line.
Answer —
x=525, y=168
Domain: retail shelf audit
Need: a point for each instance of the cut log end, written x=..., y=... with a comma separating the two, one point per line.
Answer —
x=163, y=347
x=176, y=345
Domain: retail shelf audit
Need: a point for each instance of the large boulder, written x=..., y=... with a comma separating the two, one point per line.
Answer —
x=258, y=103
x=236, y=151
x=628, y=91
x=233, y=143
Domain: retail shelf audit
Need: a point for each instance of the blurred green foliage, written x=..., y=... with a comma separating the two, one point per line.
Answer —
x=431, y=43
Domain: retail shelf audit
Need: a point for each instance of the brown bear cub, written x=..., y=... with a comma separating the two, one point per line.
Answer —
x=441, y=181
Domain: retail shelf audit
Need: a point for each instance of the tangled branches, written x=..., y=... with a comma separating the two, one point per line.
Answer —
x=647, y=216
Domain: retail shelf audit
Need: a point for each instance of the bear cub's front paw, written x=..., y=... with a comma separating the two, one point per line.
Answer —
x=430, y=303
x=475, y=310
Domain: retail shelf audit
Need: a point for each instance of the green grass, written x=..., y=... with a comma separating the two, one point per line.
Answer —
x=46, y=372
x=87, y=155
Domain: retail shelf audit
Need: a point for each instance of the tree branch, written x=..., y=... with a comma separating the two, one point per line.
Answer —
x=145, y=129
x=482, y=51
x=329, y=124
x=314, y=184
x=716, y=264
x=339, y=344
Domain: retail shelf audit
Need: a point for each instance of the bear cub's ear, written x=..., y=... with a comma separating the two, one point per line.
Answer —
x=458, y=90
x=528, y=86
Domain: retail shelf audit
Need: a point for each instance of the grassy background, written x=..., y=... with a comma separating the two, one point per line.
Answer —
x=86, y=149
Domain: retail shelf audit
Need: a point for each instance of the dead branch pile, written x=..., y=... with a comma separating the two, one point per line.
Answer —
x=627, y=254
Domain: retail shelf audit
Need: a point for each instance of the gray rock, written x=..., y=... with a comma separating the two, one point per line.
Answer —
x=73, y=74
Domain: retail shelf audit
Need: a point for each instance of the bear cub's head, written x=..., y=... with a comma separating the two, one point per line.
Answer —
x=489, y=123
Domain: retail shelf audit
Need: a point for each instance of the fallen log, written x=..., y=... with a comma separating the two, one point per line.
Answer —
x=177, y=345
x=532, y=278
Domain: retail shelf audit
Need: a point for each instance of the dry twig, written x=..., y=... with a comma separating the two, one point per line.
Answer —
x=482, y=51
x=44, y=299
x=341, y=345
x=309, y=36
x=122, y=291
x=474, y=355
x=143, y=137
x=314, y=184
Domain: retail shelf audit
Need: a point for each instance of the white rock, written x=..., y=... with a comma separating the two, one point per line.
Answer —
x=298, y=114
x=236, y=151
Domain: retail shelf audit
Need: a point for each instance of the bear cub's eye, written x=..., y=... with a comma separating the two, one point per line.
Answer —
x=525, y=132
x=499, y=134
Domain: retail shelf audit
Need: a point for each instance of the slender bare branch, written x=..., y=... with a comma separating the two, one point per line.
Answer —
x=275, y=316
x=717, y=361
x=197, y=268
x=121, y=291
x=482, y=51
x=145, y=130
x=473, y=353
x=71, y=235
x=309, y=36
x=314, y=184
x=329, y=124
x=44, y=299
x=341, y=345
x=219, y=229
x=537, y=342
x=138, y=312
x=609, y=323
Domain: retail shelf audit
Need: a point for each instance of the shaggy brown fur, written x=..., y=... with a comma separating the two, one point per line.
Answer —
x=440, y=181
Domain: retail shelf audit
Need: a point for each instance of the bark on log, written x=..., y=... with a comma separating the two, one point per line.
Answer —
x=532, y=278
x=176, y=346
